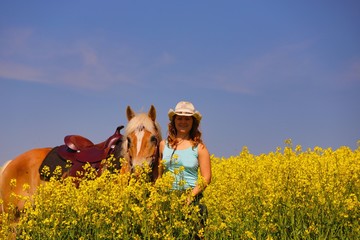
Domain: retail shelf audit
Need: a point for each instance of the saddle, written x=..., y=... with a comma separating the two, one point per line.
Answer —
x=79, y=151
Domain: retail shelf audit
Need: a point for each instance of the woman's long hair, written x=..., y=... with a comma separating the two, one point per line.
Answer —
x=195, y=134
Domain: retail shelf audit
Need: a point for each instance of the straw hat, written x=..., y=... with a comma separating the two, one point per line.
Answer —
x=184, y=108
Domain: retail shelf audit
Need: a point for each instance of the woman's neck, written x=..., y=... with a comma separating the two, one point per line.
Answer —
x=182, y=137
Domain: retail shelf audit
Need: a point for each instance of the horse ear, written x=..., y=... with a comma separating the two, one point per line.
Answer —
x=129, y=113
x=152, y=113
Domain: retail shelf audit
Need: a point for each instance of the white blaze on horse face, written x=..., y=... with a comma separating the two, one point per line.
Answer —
x=138, y=158
x=139, y=136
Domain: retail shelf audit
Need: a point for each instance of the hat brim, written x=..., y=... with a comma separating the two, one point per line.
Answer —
x=172, y=113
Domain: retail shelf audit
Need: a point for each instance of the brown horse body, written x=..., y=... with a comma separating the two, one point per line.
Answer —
x=21, y=176
x=24, y=169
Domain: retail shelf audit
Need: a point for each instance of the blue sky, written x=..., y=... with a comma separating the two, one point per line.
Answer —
x=260, y=72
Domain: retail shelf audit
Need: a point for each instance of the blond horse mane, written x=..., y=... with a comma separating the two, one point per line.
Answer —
x=141, y=119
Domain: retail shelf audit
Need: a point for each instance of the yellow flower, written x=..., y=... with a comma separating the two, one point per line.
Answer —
x=13, y=182
x=250, y=197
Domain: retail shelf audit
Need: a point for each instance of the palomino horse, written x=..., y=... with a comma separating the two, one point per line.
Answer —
x=141, y=142
x=139, y=145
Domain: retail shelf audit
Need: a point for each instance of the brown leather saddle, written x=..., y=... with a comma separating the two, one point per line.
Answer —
x=79, y=151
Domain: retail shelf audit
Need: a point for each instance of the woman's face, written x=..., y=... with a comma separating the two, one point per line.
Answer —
x=183, y=124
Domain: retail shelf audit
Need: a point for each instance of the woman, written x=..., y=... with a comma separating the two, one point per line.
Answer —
x=184, y=150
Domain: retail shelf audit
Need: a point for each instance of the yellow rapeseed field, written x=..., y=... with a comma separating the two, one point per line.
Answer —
x=290, y=193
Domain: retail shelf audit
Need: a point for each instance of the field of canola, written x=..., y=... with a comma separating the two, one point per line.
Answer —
x=290, y=193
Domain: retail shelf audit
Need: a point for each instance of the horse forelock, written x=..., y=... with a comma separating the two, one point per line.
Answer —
x=140, y=122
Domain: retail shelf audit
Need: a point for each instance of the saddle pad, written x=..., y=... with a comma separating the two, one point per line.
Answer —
x=51, y=161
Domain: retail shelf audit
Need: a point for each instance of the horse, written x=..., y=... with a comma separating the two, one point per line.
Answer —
x=139, y=145
x=27, y=168
x=141, y=142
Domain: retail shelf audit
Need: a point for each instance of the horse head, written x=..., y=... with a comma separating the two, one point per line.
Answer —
x=141, y=140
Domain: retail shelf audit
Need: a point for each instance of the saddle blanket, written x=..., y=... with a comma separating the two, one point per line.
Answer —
x=49, y=164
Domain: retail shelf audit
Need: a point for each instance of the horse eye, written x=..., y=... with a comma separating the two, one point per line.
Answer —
x=153, y=139
x=128, y=142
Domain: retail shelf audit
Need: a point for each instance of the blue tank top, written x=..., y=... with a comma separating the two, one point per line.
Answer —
x=183, y=164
